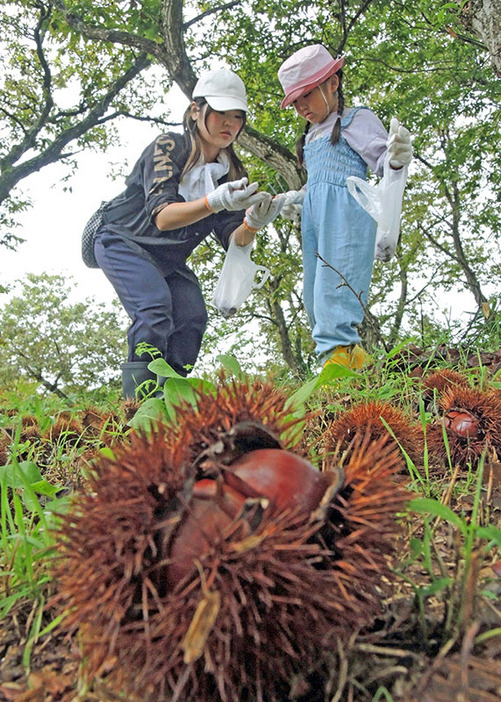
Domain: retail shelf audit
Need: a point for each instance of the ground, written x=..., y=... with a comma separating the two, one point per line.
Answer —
x=435, y=638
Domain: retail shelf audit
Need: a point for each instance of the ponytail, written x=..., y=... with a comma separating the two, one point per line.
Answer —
x=300, y=146
x=336, y=129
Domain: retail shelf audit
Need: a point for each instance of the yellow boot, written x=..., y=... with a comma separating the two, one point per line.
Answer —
x=359, y=358
x=353, y=357
x=341, y=355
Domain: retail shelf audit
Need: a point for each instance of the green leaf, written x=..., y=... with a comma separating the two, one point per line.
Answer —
x=163, y=369
x=230, y=363
x=437, y=586
x=295, y=401
x=16, y=476
x=178, y=390
x=150, y=412
x=42, y=487
x=426, y=505
x=490, y=532
x=333, y=371
x=416, y=547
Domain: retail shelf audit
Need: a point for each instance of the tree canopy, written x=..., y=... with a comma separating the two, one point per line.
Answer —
x=72, y=66
x=63, y=344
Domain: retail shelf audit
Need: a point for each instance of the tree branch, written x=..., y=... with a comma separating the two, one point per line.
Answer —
x=54, y=152
x=112, y=36
x=207, y=13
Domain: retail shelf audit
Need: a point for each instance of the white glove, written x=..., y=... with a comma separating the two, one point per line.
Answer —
x=264, y=212
x=399, y=145
x=293, y=204
x=235, y=195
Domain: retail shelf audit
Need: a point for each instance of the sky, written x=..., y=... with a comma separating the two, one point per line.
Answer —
x=52, y=227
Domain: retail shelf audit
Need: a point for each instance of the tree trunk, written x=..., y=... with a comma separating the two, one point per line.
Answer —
x=483, y=18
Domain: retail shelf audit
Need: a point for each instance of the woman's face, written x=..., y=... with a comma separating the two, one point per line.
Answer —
x=217, y=129
x=317, y=104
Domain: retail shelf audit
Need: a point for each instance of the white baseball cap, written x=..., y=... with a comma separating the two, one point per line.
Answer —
x=222, y=89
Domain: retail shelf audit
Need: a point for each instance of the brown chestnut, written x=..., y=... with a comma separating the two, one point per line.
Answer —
x=287, y=480
x=212, y=508
x=461, y=422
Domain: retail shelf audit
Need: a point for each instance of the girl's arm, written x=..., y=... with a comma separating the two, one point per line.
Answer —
x=367, y=136
x=180, y=214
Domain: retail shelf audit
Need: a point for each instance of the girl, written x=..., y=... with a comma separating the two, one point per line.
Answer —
x=183, y=188
x=338, y=142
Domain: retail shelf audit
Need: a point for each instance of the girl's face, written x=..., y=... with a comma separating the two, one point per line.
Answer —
x=217, y=129
x=317, y=104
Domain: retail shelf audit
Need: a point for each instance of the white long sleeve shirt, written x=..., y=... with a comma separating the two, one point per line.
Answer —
x=365, y=134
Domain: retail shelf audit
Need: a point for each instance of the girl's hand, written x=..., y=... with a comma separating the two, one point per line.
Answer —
x=235, y=195
x=293, y=204
x=399, y=145
x=264, y=212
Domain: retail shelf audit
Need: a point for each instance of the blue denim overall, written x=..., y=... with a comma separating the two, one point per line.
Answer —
x=343, y=234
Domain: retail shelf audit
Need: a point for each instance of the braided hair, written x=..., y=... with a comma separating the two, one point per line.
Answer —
x=336, y=129
x=192, y=135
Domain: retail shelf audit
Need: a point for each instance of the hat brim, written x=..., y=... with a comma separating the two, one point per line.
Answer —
x=224, y=103
x=313, y=82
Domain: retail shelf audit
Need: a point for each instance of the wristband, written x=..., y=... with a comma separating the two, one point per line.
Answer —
x=251, y=229
x=208, y=206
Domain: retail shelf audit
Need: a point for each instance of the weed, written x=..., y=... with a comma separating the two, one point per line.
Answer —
x=443, y=559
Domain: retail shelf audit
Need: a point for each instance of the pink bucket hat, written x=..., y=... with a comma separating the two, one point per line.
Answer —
x=306, y=69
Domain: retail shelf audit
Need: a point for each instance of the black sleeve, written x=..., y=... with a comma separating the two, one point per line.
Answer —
x=225, y=224
x=161, y=165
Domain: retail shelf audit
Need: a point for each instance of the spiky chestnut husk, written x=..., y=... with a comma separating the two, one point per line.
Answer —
x=472, y=421
x=442, y=380
x=30, y=432
x=365, y=418
x=258, y=409
x=67, y=428
x=97, y=423
x=437, y=383
x=262, y=605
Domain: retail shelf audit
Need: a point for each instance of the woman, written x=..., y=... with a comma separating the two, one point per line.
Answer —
x=183, y=188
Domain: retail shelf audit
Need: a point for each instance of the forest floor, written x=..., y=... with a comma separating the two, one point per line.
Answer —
x=435, y=638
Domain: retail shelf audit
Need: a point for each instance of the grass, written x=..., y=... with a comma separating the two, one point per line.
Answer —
x=444, y=571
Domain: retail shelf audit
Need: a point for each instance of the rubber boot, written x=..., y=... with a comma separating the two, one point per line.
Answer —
x=133, y=374
x=359, y=358
x=353, y=357
x=341, y=355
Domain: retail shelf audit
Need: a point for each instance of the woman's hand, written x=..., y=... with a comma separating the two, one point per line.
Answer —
x=293, y=204
x=235, y=195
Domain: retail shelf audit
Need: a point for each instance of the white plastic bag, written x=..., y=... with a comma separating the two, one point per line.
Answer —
x=237, y=279
x=383, y=202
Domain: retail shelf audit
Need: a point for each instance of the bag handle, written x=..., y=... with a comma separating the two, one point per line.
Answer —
x=363, y=192
x=266, y=274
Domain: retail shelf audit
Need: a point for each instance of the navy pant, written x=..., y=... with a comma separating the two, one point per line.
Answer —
x=164, y=302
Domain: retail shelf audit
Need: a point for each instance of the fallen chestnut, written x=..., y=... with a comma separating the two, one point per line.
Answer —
x=287, y=480
x=212, y=508
x=462, y=423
